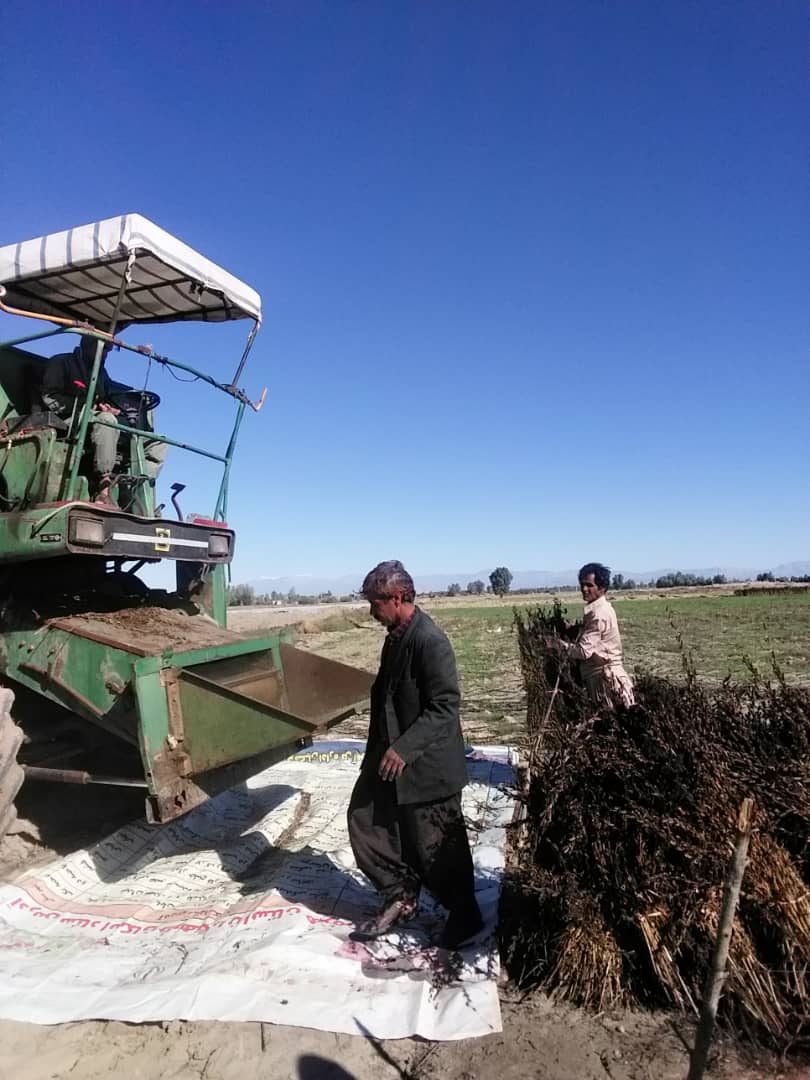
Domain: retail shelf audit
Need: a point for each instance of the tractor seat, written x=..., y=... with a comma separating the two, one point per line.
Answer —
x=35, y=421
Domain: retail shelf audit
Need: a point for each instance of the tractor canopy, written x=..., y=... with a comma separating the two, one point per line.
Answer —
x=79, y=273
x=92, y=281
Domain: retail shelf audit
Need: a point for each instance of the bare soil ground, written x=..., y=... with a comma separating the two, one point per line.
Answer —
x=540, y=1039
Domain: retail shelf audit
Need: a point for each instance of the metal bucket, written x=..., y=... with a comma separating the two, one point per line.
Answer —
x=236, y=707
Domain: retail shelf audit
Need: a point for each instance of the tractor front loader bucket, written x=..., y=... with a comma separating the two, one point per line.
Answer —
x=229, y=717
x=205, y=707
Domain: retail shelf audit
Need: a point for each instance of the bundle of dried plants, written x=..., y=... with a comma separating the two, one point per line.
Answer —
x=629, y=819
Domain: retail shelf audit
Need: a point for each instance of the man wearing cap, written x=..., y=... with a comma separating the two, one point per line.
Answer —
x=406, y=824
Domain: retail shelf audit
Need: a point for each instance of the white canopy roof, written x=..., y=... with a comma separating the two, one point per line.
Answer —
x=77, y=274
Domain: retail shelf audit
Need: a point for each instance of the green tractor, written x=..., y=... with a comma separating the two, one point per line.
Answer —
x=93, y=660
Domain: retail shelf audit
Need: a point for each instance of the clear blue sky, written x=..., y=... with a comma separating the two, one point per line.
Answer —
x=535, y=276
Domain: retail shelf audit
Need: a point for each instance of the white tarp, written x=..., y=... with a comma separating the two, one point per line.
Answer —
x=243, y=909
x=78, y=273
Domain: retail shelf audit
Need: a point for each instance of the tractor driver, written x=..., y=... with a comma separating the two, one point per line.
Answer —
x=64, y=382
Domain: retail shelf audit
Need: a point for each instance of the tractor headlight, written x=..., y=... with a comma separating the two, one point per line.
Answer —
x=86, y=530
x=218, y=544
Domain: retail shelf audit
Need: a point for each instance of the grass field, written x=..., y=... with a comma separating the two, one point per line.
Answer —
x=720, y=631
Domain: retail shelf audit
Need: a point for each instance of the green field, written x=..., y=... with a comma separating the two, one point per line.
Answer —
x=720, y=632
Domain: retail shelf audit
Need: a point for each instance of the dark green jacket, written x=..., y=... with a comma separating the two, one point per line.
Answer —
x=415, y=709
x=66, y=377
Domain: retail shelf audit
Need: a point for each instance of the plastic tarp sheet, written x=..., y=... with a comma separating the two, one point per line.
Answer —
x=243, y=910
x=78, y=273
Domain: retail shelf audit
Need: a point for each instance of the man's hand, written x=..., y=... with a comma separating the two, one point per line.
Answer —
x=391, y=765
x=106, y=407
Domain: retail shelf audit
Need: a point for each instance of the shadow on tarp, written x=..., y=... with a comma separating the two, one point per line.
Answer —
x=222, y=825
x=219, y=824
x=312, y=879
x=304, y=876
x=335, y=897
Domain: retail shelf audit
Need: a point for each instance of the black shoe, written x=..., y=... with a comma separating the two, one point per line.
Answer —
x=391, y=916
x=462, y=925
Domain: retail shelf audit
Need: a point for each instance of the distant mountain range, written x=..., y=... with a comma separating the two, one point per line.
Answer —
x=314, y=585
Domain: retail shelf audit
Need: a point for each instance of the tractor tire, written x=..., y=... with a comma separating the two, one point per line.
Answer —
x=11, y=774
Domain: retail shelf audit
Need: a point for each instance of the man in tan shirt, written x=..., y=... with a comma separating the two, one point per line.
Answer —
x=599, y=645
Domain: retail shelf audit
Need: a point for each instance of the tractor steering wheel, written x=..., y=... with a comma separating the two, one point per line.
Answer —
x=135, y=405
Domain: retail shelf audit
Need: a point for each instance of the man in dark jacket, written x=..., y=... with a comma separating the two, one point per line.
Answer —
x=65, y=380
x=64, y=383
x=406, y=824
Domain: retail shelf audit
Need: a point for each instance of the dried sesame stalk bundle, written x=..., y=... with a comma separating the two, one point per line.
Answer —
x=630, y=815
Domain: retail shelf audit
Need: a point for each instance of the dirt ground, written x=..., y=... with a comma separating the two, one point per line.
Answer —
x=540, y=1039
x=539, y=1042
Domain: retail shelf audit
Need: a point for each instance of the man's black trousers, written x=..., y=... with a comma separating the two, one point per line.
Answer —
x=400, y=848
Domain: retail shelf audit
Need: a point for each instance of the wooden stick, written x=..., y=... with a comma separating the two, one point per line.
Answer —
x=541, y=730
x=725, y=926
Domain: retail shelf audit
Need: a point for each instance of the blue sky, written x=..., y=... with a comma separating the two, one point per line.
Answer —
x=534, y=276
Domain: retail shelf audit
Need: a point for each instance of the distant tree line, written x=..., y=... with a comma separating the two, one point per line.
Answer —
x=246, y=596
x=500, y=583
x=679, y=580
x=241, y=596
x=474, y=588
x=768, y=576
